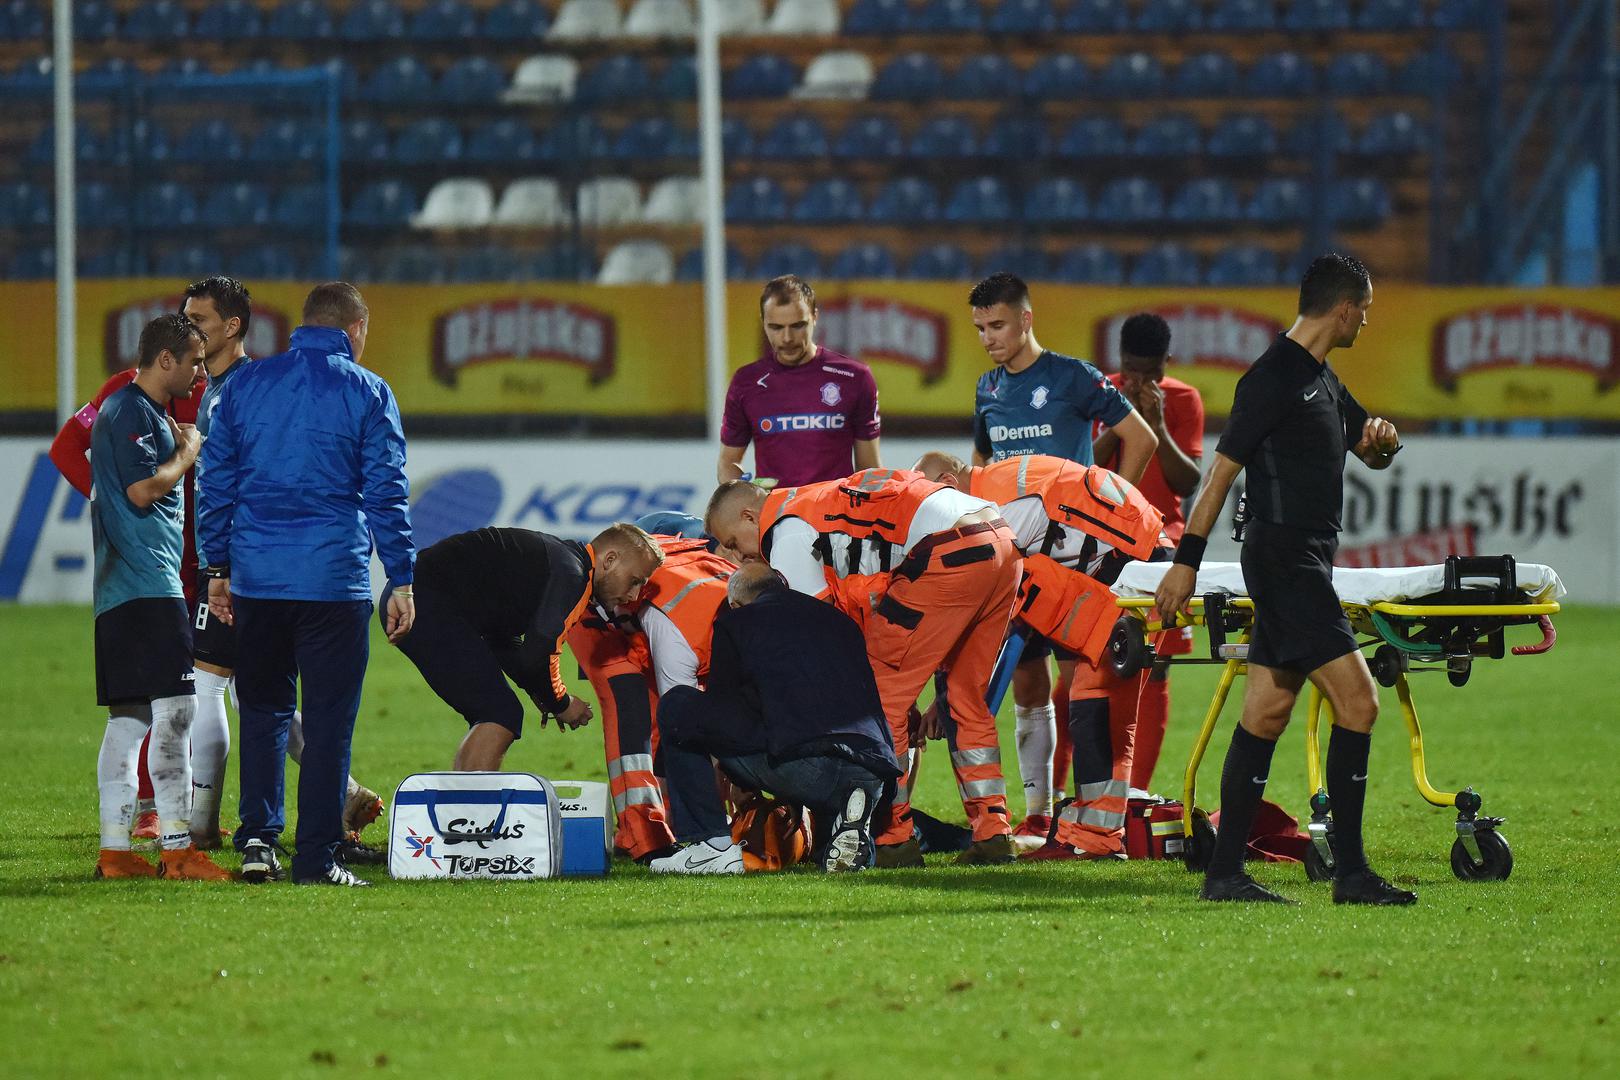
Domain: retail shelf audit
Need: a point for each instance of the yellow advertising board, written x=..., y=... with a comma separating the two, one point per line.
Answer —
x=547, y=349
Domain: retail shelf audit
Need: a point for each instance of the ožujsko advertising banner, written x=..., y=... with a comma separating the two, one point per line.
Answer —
x=638, y=351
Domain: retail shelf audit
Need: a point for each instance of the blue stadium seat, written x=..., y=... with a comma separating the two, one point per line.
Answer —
x=904, y=200
x=1242, y=135
x=111, y=72
x=165, y=206
x=870, y=17
x=789, y=258
x=429, y=140
x=383, y=204
x=1129, y=201
x=1015, y=134
x=947, y=137
x=984, y=77
x=1311, y=131
x=400, y=81
x=981, y=201
x=287, y=141
x=238, y=205
x=736, y=139
x=413, y=264
x=1207, y=201
x=1390, y=15
x=301, y=20
x=1205, y=74
x=1424, y=70
x=1359, y=202
x=264, y=262
x=949, y=17
x=32, y=264
x=444, y=20
x=90, y=146
x=1165, y=264
x=1095, y=17
x=1056, y=201
x=870, y=138
x=24, y=205
x=186, y=263
x=756, y=201
x=1459, y=14
x=939, y=262
x=679, y=82
x=1243, y=265
x=1357, y=74
x=101, y=205
x=651, y=138
x=1279, y=200
x=562, y=262
x=1169, y=135
x=1089, y=264
x=1393, y=134
x=108, y=263
x=1022, y=17
x=795, y=137
x=503, y=142
x=617, y=78
x=574, y=139
x=227, y=19
x=184, y=67
x=93, y=20
x=487, y=264
x=372, y=20
x=1131, y=76
x=1057, y=77
x=690, y=265
x=364, y=141
x=1029, y=263
x=475, y=80
x=1317, y=15
x=516, y=20
x=1094, y=137
x=300, y=207
x=157, y=20
x=21, y=20
x=908, y=77
x=1243, y=15
x=763, y=75
x=1284, y=74
x=209, y=141
x=863, y=261
x=1170, y=17
x=829, y=202
x=151, y=143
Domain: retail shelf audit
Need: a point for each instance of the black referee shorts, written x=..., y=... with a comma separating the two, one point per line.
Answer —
x=143, y=651
x=457, y=662
x=1298, y=623
x=212, y=642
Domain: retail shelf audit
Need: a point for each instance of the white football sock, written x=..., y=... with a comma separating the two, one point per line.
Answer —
x=1036, y=737
x=168, y=759
x=210, y=746
x=295, y=749
x=116, y=768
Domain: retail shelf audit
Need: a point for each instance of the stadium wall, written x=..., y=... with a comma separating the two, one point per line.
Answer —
x=1551, y=501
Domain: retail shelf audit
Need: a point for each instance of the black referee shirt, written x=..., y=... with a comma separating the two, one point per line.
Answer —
x=1292, y=424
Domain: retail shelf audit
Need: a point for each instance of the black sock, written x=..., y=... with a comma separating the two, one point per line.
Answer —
x=1347, y=789
x=1243, y=785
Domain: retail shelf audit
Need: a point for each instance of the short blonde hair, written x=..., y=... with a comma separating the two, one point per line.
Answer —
x=628, y=539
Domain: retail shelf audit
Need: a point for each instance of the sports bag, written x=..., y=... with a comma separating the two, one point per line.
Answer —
x=504, y=826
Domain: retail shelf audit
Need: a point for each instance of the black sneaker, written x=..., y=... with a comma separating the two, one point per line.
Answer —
x=851, y=847
x=1242, y=888
x=336, y=874
x=352, y=851
x=1366, y=887
x=259, y=863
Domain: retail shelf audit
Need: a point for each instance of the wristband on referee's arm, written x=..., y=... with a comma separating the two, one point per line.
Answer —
x=1190, y=552
x=217, y=572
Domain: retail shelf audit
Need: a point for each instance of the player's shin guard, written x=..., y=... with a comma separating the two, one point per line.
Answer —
x=169, y=759
x=116, y=768
x=1036, y=735
x=210, y=746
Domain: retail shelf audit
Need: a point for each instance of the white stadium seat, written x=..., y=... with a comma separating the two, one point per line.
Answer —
x=804, y=17
x=674, y=200
x=533, y=201
x=741, y=16
x=584, y=20
x=637, y=262
x=461, y=202
x=609, y=200
x=840, y=75
x=661, y=19
x=543, y=79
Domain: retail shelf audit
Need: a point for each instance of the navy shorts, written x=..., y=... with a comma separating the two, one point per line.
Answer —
x=143, y=651
x=1298, y=623
x=1039, y=647
x=458, y=662
x=212, y=642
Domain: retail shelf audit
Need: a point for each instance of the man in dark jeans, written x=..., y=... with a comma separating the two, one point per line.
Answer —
x=791, y=708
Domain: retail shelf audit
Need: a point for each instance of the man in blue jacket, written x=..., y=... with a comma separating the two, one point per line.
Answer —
x=304, y=470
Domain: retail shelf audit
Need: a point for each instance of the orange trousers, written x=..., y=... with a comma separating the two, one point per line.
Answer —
x=628, y=704
x=953, y=615
x=1152, y=718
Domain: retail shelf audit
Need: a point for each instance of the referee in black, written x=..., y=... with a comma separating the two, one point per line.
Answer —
x=1292, y=424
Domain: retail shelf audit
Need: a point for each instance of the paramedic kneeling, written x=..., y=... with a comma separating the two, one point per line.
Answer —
x=1292, y=424
x=791, y=708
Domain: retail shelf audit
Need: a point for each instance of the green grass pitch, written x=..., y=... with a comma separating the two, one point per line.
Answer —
x=1029, y=970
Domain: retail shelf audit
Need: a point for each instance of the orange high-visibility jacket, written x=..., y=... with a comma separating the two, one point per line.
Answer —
x=1090, y=499
x=690, y=588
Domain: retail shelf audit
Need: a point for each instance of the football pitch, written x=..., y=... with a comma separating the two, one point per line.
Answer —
x=1046, y=969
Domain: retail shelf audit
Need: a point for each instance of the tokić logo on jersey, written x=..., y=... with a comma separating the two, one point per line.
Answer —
x=1002, y=433
x=1038, y=399
x=830, y=394
x=771, y=425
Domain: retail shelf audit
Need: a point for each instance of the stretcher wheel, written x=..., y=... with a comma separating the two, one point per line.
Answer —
x=1496, y=858
x=1458, y=668
x=1315, y=868
x=1128, y=651
x=1201, y=848
x=1388, y=665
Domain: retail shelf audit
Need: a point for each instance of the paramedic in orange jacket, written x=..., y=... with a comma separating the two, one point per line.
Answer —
x=931, y=574
x=1077, y=526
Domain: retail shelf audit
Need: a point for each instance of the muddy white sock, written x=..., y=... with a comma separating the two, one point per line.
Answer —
x=116, y=777
x=168, y=759
x=1036, y=736
x=210, y=746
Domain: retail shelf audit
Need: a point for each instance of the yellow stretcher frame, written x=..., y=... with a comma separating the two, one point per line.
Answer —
x=1361, y=623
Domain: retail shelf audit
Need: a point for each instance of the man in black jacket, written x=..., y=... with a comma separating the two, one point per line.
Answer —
x=791, y=708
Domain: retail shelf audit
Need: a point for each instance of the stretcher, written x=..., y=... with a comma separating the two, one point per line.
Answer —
x=1415, y=619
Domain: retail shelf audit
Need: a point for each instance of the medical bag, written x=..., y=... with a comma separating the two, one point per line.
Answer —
x=1153, y=829
x=505, y=826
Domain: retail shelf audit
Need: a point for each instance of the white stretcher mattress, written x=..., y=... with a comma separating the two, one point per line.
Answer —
x=1360, y=586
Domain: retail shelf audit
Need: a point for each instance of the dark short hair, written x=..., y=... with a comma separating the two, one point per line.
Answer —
x=1330, y=280
x=167, y=333
x=230, y=297
x=1000, y=288
x=785, y=290
x=336, y=304
x=1146, y=335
